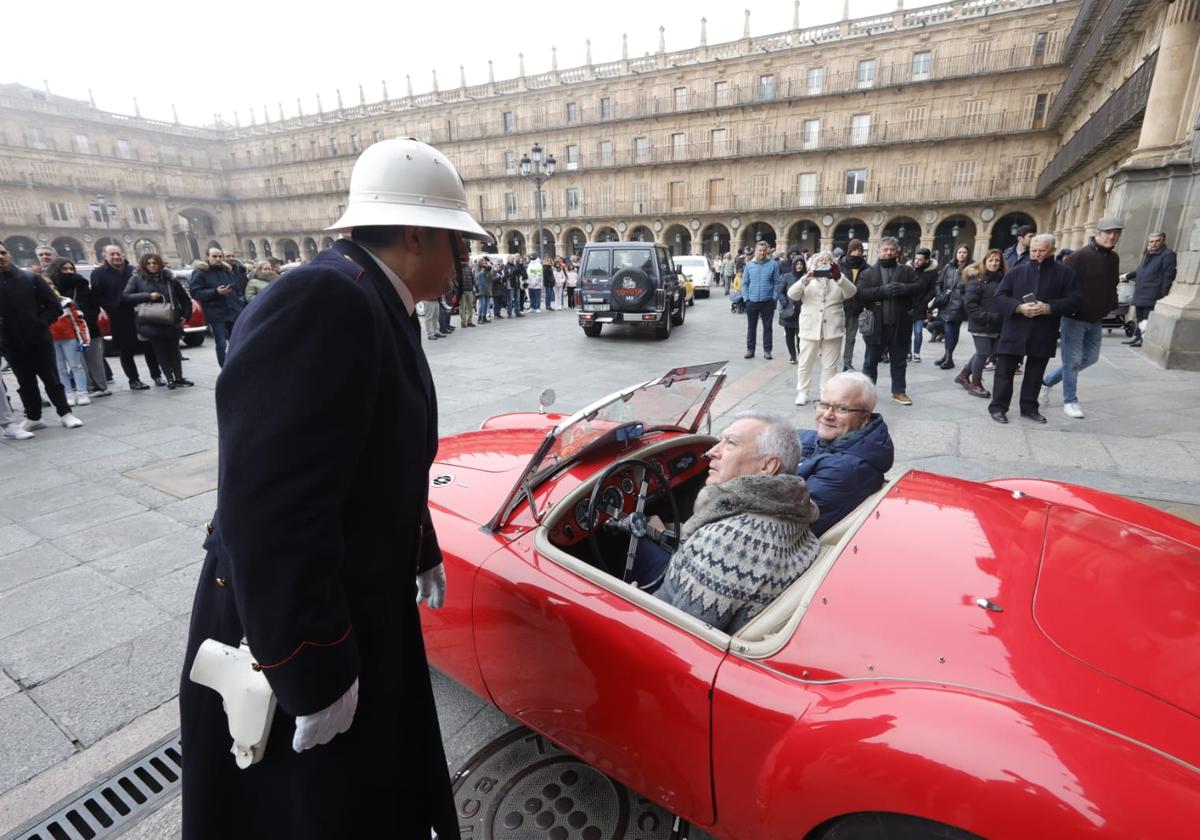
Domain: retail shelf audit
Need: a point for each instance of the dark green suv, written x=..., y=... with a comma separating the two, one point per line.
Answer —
x=632, y=283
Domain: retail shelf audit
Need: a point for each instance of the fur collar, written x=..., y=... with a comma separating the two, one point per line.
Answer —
x=782, y=497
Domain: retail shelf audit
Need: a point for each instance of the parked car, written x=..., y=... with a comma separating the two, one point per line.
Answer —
x=631, y=283
x=698, y=271
x=1004, y=659
x=194, y=328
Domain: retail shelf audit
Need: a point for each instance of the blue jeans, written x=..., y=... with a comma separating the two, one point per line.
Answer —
x=535, y=297
x=1080, y=349
x=220, y=331
x=550, y=298
x=514, y=302
x=918, y=336
x=483, y=304
x=952, y=330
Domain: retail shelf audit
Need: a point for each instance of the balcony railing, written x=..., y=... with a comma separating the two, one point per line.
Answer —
x=827, y=139
x=1108, y=30
x=807, y=201
x=1119, y=115
x=445, y=130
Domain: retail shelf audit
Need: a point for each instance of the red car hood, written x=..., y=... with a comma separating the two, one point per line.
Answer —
x=946, y=583
x=1126, y=601
x=475, y=470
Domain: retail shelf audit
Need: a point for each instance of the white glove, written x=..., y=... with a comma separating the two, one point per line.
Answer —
x=321, y=727
x=431, y=586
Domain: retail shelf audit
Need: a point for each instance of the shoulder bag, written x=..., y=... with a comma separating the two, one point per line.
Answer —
x=159, y=313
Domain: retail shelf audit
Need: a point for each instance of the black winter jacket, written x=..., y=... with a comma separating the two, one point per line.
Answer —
x=948, y=296
x=108, y=286
x=891, y=306
x=982, y=317
x=1050, y=282
x=27, y=308
x=1154, y=276
x=75, y=287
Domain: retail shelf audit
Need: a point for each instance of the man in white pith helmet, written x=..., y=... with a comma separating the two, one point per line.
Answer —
x=322, y=547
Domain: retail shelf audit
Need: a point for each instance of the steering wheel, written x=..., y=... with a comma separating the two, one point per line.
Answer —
x=635, y=524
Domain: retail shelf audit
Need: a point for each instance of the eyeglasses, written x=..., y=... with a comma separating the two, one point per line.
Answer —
x=838, y=408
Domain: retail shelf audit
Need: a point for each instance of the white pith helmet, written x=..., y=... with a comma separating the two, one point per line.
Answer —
x=407, y=182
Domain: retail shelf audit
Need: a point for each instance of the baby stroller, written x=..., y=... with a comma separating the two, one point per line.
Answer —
x=1117, y=318
x=737, y=305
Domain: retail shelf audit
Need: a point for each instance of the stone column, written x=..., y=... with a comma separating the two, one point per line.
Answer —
x=1174, y=89
x=981, y=245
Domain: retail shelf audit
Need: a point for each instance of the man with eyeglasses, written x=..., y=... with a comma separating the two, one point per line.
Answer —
x=845, y=457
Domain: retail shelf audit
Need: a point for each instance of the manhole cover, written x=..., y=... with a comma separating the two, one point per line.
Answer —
x=523, y=787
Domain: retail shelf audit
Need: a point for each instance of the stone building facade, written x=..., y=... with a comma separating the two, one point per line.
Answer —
x=944, y=125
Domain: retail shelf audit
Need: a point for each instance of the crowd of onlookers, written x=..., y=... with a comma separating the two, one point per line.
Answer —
x=1015, y=305
x=53, y=323
x=492, y=287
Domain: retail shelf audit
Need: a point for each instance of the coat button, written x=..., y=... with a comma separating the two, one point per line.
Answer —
x=221, y=581
x=208, y=528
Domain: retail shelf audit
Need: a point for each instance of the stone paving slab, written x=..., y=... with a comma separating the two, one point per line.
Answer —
x=31, y=563
x=15, y=538
x=151, y=560
x=7, y=686
x=31, y=741
x=80, y=517
x=118, y=535
x=44, y=650
x=173, y=593
x=52, y=596
x=182, y=477
x=106, y=692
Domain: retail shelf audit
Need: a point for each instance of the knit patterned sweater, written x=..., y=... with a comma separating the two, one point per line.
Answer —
x=747, y=542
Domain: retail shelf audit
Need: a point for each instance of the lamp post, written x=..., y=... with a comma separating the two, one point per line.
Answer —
x=539, y=171
x=106, y=210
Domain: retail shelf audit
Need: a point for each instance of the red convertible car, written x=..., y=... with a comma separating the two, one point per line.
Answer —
x=1015, y=658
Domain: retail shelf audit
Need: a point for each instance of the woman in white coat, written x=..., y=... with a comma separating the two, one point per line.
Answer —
x=820, y=293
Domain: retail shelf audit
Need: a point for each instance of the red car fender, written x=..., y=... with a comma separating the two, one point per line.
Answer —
x=802, y=754
x=1105, y=504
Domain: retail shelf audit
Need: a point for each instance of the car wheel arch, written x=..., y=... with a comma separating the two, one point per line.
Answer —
x=886, y=825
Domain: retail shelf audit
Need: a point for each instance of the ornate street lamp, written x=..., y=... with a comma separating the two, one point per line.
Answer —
x=107, y=211
x=539, y=171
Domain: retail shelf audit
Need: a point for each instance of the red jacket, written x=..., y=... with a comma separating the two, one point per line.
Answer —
x=70, y=326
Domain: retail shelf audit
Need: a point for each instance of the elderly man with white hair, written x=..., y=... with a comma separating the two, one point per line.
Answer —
x=844, y=459
x=748, y=538
x=1031, y=298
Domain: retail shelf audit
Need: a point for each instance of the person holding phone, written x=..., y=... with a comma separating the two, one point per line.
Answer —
x=1031, y=299
x=213, y=284
x=820, y=293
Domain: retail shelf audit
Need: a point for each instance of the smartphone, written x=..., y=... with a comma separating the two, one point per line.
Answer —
x=823, y=271
x=1029, y=298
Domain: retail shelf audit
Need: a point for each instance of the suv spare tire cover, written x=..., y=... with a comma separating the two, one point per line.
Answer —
x=632, y=290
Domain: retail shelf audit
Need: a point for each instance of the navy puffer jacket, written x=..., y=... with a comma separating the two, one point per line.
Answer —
x=841, y=473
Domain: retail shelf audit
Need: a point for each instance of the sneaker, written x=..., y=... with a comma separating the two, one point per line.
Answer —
x=160, y=382
x=1044, y=399
x=13, y=431
x=1073, y=410
x=101, y=392
x=138, y=385
x=749, y=355
x=184, y=383
x=83, y=399
x=902, y=399
x=32, y=425
x=768, y=356
x=70, y=400
x=802, y=399
x=916, y=358
x=70, y=421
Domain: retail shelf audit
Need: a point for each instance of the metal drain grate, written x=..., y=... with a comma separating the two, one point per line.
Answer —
x=110, y=806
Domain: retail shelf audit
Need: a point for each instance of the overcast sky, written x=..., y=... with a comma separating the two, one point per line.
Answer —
x=221, y=56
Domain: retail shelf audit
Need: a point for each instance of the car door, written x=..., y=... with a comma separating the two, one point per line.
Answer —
x=667, y=273
x=618, y=686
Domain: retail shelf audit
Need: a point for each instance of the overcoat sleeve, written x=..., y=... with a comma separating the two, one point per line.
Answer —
x=1005, y=302
x=288, y=454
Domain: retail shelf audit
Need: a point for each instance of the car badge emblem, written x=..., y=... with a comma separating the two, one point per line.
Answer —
x=628, y=283
x=441, y=480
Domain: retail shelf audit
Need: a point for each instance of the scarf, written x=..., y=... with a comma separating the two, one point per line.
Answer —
x=747, y=541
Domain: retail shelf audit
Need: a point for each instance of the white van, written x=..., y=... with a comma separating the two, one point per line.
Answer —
x=698, y=271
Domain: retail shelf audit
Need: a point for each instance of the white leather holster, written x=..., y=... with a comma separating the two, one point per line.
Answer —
x=245, y=694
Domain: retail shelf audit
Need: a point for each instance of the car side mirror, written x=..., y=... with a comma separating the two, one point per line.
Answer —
x=546, y=399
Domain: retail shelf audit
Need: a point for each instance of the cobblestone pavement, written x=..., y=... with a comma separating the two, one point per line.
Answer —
x=100, y=528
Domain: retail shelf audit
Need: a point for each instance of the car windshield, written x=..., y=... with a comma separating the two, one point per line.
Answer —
x=691, y=262
x=601, y=264
x=679, y=400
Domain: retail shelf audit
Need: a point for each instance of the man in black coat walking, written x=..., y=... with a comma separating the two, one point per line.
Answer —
x=27, y=309
x=1032, y=299
x=889, y=291
x=108, y=283
x=322, y=545
x=1154, y=275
